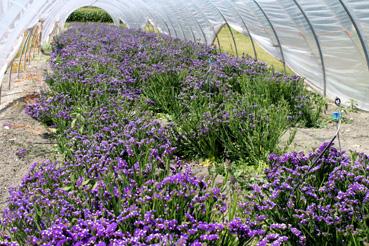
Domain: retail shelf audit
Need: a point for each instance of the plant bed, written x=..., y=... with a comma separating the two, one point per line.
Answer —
x=134, y=111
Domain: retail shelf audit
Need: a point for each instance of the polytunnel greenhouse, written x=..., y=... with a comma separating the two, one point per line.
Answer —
x=199, y=122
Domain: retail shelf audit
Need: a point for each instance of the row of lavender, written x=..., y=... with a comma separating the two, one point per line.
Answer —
x=131, y=109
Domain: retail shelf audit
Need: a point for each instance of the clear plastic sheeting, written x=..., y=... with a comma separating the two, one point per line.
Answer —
x=325, y=41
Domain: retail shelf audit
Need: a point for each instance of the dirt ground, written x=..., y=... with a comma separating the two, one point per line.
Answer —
x=19, y=131
x=354, y=133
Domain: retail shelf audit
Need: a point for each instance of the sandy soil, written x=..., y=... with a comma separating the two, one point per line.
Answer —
x=17, y=131
x=354, y=133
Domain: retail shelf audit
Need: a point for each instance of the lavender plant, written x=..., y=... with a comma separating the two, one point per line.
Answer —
x=315, y=199
x=123, y=180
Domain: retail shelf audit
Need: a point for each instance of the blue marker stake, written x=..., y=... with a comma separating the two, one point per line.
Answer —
x=337, y=117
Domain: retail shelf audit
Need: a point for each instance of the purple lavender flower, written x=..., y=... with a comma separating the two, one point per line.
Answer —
x=21, y=153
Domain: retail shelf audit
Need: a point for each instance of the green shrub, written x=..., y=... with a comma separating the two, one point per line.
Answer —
x=242, y=121
x=162, y=91
x=305, y=107
x=90, y=14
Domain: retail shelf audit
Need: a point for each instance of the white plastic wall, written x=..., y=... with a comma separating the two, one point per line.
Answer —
x=326, y=41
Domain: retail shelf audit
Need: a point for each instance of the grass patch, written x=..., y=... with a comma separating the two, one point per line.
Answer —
x=244, y=47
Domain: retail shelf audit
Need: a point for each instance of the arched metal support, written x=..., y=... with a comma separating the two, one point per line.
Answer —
x=218, y=41
x=183, y=33
x=275, y=34
x=247, y=30
x=316, y=38
x=229, y=27
x=216, y=38
x=193, y=35
x=202, y=31
x=23, y=51
x=169, y=5
x=10, y=74
x=171, y=23
x=27, y=54
x=33, y=42
x=162, y=19
x=358, y=31
x=249, y=34
x=233, y=38
x=40, y=36
x=166, y=25
x=196, y=8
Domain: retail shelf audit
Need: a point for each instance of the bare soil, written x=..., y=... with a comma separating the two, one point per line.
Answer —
x=354, y=133
x=17, y=131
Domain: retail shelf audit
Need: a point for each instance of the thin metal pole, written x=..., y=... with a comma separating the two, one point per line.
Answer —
x=22, y=50
x=358, y=31
x=218, y=41
x=32, y=44
x=10, y=74
x=21, y=55
x=247, y=30
x=175, y=31
x=163, y=20
x=233, y=38
x=275, y=34
x=205, y=17
x=229, y=27
x=35, y=36
x=193, y=35
x=26, y=54
x=166, y=24
x=196, y=8
x=180, y=26
x=39, y=38
x=29, y=45
x=316, y=38
x=216, y=38
x=171, y=23
x=183, y=33
x=202, y=31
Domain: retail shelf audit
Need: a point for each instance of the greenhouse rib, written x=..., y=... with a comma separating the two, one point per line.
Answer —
x=274, y=32
x=317, y=44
